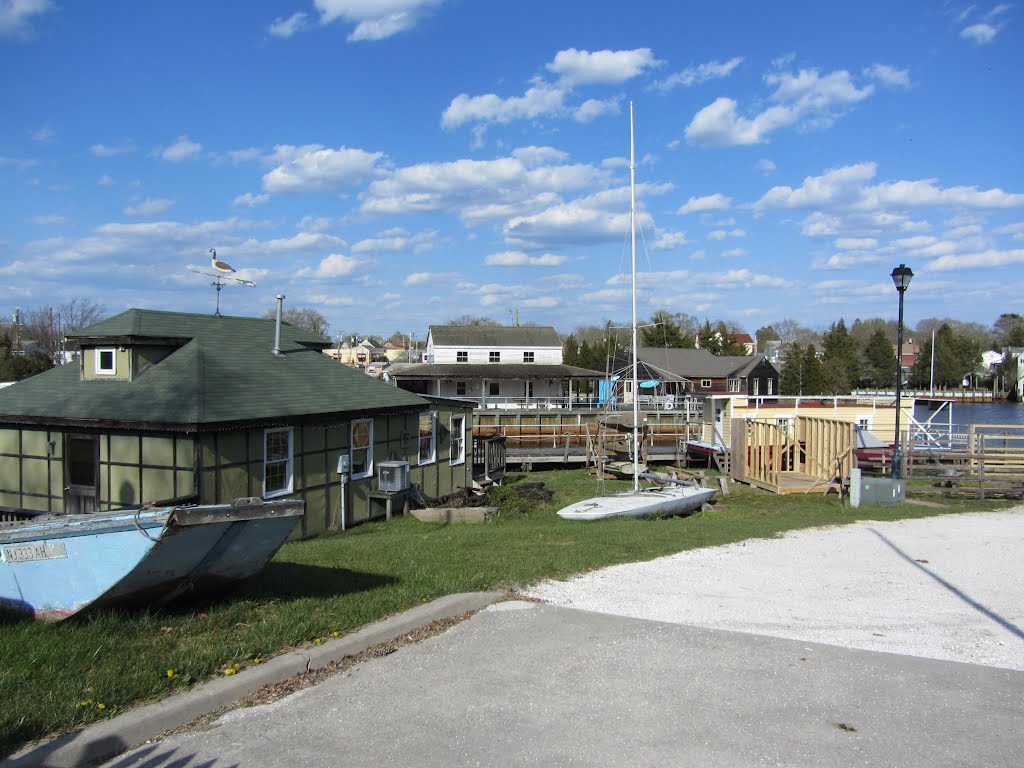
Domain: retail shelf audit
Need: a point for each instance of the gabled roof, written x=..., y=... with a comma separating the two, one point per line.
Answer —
x=223, y=371
x=494, y=336
x=699, y=363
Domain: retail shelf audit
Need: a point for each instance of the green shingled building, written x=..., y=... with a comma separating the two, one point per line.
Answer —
x=174, y=407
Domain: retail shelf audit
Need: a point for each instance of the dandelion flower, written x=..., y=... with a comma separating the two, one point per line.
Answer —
x=336, y=633
x=230, y=671
x=170, y=673
x=257, y=660
x=237, y=665
x=101, y=705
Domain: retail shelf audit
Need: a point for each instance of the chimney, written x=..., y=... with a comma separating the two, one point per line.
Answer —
x=277, y=326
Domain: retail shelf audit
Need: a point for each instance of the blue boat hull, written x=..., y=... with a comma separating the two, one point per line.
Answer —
x=64, y=566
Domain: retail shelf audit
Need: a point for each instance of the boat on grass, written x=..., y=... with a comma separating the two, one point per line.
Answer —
x=59, y=566
x=673, y=497
x=678, y=499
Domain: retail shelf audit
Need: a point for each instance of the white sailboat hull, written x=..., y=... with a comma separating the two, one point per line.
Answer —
x=646, y=502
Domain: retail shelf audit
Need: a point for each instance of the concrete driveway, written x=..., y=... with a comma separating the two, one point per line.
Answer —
x=822, y=648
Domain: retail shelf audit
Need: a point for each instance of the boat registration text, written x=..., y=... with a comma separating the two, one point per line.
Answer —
x=50, y=550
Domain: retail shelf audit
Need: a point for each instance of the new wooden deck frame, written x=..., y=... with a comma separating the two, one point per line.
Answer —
x=811, y=453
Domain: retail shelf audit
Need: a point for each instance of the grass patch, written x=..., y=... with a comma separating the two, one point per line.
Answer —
x=54, y=677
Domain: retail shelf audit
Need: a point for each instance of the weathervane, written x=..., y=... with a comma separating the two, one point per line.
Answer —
x=222, y=271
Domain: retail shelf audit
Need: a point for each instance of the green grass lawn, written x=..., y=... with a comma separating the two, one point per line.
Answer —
x=54, y=677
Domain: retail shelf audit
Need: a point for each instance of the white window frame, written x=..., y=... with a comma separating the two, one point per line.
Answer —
x=528, y=357
x=757, y=387
x=368, y=471
x=457, y=450
x=431, y=455
x=101, y=371
x=705, y=383
x=494, y=356
x=734, y=385
x=288, y=463
x=461, y=356
x=770, y=386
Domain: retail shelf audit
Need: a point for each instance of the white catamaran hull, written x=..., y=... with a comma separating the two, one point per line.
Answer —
x=646, y=502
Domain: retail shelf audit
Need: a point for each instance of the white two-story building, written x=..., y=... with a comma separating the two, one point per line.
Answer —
x=496, y=366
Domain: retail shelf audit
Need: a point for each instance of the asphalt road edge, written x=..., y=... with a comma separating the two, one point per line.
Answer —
x=109, y=738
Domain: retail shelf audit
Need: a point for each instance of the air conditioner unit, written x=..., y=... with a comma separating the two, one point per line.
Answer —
x=392, y=476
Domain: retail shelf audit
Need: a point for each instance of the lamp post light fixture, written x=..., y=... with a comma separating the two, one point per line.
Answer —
x=901, y=279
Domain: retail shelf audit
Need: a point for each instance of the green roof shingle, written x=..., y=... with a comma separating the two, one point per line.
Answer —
x=225, y=371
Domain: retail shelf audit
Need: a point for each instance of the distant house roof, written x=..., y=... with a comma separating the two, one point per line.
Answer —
x=494, y=336
x=222, y=370
x=698, y=363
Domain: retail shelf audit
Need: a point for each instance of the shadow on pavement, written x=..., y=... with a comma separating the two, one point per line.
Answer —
x=1004, y=623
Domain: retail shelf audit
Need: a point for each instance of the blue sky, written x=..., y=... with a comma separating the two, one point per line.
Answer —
x=400, y=163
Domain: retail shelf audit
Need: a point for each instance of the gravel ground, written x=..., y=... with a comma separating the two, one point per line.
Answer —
x=949, y=587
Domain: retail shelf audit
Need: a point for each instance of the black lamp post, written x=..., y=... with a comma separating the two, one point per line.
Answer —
x=901, y=278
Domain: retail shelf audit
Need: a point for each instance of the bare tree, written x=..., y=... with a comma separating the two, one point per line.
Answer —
x=302, y=317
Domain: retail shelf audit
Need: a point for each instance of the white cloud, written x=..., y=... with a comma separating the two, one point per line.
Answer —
x=15, y=15
x=43, y=134
x=106, y=150
x=847, y=188
x=542, y=99
x=592, y=109
x=979, y=34
x=303, y=241
x=250, y=200
x=313, y=168
x=335, y=265
x=51, y=219
x=106, y=181
x=418, y=278
x=182, y=149
x=149, y=207
x=702, y=73
x=396, y=241
x=721, y=234
x=856, y=243
x=989, y=258
x=806, y=99
x=889, y=75
x=288, y=27
x=480, y=189
x=715, y=202
x=375, y=19
x=734, y=253
x=521, y=259
x=765, y=166
x=607, y=67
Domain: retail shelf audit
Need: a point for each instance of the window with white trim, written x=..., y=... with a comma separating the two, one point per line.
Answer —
x=106, y=361
x=457, y=452
x=428, y=437
x=527, y=357
x=462, y=357
x=705, y=383
x=361, y=448
x=277, y=461
x=494, y=357
x=771, y=382
x=734, y=385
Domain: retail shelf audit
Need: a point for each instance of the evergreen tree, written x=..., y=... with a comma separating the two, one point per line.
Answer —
x=879, y=360
x=709, y=338
x=1009, y=330
x=955, y=357
x=842, y=358
x=802, y=373
x=663, y=331
x=571, y=350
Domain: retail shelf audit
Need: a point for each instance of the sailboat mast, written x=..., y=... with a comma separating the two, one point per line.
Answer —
x=632, y=232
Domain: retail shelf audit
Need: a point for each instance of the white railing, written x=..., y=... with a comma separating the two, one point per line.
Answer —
x=577, y=402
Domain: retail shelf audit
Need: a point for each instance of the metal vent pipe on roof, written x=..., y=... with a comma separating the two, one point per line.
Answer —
x=277, y=325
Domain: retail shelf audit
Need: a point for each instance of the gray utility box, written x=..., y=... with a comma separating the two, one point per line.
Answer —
x=876, y=490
